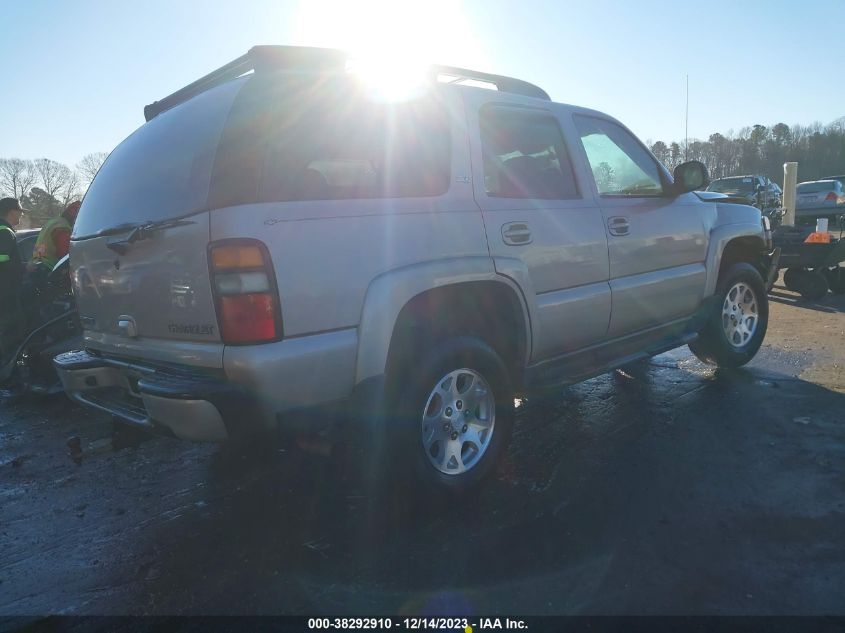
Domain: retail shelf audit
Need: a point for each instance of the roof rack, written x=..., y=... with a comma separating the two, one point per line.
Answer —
x=258, y=59
x=502, y=83
x=305, y=58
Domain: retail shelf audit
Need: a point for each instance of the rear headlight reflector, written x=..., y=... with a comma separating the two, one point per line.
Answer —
x=242, y=283
x=244, y=286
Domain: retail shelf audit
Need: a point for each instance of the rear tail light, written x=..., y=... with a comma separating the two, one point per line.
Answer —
x=245, y=292
x=830, y=196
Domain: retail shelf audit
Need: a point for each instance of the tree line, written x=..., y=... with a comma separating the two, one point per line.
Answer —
x=46, y=186
x=760, y=150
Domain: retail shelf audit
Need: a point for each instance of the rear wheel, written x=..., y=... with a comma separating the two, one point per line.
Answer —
x=453, y=417
x=812, y=285
x=792, y=278
x=735, y=330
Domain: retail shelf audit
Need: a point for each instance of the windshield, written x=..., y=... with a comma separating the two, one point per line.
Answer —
x=732, y=184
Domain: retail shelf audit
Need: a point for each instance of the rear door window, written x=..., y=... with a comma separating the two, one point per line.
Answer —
x=524, y=155
x=338, y=144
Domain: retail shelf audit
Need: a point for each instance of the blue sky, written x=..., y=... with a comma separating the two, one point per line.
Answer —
x=77, y=74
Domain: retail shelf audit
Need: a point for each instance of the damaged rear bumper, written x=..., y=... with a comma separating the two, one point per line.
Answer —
x=158, y=399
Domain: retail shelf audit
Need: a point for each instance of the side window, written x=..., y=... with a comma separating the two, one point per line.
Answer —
x=524, y=155
x=343, y=148
x=620, y=164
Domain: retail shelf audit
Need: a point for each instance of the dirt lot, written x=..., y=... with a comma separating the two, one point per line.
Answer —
x=675, y=489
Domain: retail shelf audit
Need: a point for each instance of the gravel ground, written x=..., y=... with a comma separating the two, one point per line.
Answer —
x=670, y=489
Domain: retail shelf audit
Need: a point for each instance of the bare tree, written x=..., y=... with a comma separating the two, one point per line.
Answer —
x=89, y=166
x=605, y=177
x=17, y=177
x=71, y=192
x=52, y=176
x=661, y=152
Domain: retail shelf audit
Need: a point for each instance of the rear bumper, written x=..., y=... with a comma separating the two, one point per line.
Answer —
x=191, y=407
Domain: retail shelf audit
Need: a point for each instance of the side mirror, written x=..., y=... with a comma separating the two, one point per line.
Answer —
x=760, y=189
x=690, y=176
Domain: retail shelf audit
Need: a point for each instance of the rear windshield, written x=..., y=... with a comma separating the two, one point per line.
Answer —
x=162, y=170
x=813, y=187
x=732, y=184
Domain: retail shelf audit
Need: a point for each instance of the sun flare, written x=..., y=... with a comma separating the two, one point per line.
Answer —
x=391, y=44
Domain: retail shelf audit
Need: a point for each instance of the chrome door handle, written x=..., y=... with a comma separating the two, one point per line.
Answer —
x=618, y=225
x=516, y=233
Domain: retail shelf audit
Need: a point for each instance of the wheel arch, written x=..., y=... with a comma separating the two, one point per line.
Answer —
x=447, y=295
x=731, y=244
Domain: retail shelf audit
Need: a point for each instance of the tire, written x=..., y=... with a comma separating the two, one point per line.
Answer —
x=792, y=278
x=728, y=341
x=457, y=447
x=835, y=279
x=813, y=285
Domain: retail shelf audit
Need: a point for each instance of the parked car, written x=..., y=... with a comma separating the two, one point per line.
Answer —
x=758, y=191
x=293, y=242
x=841, y=179
x=820, y=199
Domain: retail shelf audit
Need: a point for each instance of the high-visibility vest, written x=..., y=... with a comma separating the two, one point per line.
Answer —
x=5, y=257
x=45, y=248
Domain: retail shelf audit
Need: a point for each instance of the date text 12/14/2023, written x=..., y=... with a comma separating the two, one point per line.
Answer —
x=465, y=625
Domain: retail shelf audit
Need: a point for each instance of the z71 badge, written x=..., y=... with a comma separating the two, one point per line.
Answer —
x=191, y=328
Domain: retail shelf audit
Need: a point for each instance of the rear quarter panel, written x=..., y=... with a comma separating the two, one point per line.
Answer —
x=326, y=253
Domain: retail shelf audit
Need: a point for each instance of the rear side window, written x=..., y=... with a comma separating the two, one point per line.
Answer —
x=524, y=155
x=162, y=170
x=336, y=144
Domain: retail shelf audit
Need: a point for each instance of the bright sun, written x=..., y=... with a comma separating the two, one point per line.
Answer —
x=391, y=43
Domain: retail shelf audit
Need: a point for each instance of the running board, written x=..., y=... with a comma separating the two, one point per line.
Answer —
x=573, y=368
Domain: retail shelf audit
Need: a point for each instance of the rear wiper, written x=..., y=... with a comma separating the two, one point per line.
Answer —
x=112, y=230
x=140, y=231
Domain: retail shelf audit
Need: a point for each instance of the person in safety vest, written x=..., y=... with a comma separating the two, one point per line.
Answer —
x=53, y=241
x=12, y=320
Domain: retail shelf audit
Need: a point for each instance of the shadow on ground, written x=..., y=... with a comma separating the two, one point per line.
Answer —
x=669, y=488
x=830, y=304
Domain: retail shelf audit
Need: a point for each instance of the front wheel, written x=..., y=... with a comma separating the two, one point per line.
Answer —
x=454, y=415
x=736, y=328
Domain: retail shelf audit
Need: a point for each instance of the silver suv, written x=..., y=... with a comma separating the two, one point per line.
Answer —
x=273, y=241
